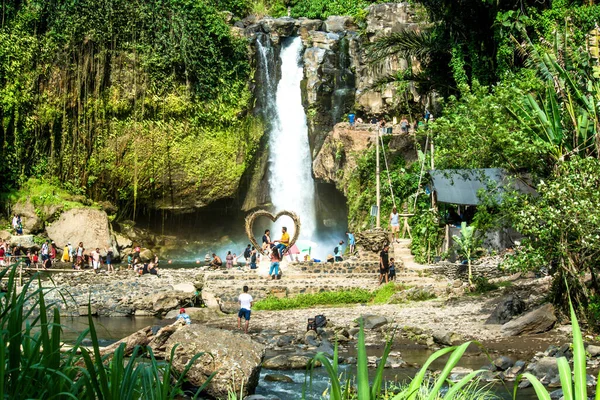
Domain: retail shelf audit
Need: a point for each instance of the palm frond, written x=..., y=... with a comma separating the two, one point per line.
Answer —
x=405, y=44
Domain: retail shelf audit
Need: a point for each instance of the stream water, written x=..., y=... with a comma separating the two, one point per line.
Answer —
x=112, y=329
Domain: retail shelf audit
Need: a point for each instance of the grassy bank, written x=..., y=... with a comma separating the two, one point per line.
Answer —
x=382, y=295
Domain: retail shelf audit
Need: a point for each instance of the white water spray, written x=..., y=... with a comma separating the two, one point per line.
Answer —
x=290, y=163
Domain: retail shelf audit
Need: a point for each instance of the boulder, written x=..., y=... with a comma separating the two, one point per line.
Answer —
x=337, y=23
x=210, y=300
x=123, y=242
x=87, y=225
x=508, y=307
x=287, y=362
x=5, y=235
x=325, y=40
x=539, y=320
x=25, y=242
x=311, y=338
x=278, y=378
x=503, y=363
x=185, y=287
x=545, y=369
x=444, y=337
x=593, y=350
x=386, y=18
x=374, y=321
x=146, y=255
x=196, y=314
x=32, y=223
x=235, y=359
x=163, y=302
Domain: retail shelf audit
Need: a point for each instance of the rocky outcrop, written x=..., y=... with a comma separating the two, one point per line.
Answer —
x=234, y=358
x=87, y=225
x=372, y=240
x=508, y=306
x=539, y=320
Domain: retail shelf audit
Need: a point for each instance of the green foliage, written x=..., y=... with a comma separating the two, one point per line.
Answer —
x=427, y=235
x=467, y=244
x=322, y=8
x=35, y=363
x=562, y=227
x=352, y=296
x=115, y=99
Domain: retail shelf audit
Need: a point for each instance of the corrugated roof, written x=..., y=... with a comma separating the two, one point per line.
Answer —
x=460, y=186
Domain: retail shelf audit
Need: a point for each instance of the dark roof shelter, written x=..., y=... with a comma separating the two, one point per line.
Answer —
x=460, y=186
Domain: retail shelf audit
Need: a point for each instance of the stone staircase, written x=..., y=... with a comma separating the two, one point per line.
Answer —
x=401, y=249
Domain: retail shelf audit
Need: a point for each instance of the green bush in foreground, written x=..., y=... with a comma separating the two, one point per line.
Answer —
x=35, y=363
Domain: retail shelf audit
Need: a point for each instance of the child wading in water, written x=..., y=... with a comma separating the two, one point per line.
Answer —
x=246, y=302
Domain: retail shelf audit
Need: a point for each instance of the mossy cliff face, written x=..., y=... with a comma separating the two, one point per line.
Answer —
x=144, y=104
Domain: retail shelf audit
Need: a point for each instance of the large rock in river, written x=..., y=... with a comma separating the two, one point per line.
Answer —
x=87, y=225
x=539, y=320
x=235, y=358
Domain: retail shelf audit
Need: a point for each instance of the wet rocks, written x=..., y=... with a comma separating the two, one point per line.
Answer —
x=278, y=378
x=374, y=321
x=545, y=369
x=537, y=321
x=445, y=338
x=503, y=363
x=235, y=359
x=508, y=307
x=287, y=362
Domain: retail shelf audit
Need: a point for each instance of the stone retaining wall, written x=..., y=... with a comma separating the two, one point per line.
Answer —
x=342, y=267
x=461, y=271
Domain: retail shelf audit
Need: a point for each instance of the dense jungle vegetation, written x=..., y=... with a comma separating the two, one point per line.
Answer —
x=519, y=88
x=128, y=101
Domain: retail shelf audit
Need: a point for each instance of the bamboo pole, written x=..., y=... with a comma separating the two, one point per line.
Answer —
x=378, y=225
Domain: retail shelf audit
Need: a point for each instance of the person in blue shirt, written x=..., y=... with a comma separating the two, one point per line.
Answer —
x=352, y=120
x=183, y=315
x=351, y=241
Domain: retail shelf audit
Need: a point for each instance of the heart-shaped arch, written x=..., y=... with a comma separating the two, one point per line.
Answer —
x=250, y=218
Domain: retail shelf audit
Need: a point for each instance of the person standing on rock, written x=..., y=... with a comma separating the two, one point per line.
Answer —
x=274, y=269
x=53, y=252
x=247, y=254
x=351, y=120
x=246, y=303
x=66, y=256
x=253, y=257
x=95, y=260
x=109, y=257
x=229, y=260
x=384, y=264
x=395, y=224
x=351, y=241
x=79, y=252
x=45, y=251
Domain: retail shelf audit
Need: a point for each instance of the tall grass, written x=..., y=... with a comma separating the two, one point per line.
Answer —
x=35, y=363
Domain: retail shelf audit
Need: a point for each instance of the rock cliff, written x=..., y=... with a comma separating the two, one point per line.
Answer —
x=338, y=79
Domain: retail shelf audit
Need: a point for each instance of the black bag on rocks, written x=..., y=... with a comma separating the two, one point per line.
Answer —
x=319, y=321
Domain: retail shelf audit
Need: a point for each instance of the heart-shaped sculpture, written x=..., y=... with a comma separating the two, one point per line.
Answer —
x=250, y=218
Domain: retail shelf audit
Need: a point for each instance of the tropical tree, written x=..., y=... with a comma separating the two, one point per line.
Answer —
x=467, y=244
x=566, y=115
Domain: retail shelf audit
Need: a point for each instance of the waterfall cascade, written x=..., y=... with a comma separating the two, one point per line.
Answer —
x=290, y=164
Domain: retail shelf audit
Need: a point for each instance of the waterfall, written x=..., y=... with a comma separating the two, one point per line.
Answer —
x=290, y=163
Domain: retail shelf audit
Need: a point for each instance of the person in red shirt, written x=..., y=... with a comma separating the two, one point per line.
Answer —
x=53, y=252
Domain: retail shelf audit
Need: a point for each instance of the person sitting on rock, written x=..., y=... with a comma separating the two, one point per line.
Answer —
x=284, y=242
x=184, y=316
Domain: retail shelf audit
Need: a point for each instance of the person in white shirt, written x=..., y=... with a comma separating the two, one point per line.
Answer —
x=246, y=302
